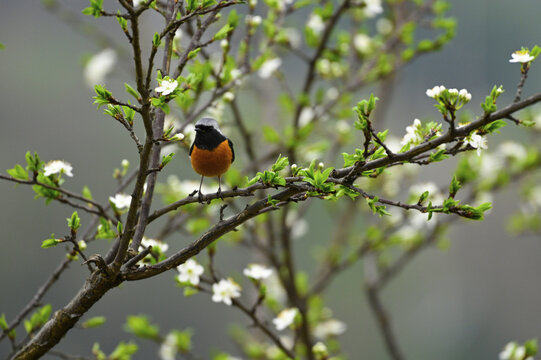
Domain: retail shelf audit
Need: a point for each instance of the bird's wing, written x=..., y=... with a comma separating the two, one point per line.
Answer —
x=191, y=149
x=232, y=150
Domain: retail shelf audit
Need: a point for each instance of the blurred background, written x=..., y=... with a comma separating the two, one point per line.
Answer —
x=463, y=303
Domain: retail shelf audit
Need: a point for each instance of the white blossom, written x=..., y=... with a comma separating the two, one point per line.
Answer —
x=136, y=3
x=384, y=26
x=224, y=291
x=185, y=187
x=269, y=67
x=99, y=66
x=121, y=201
x=253, y=20
x=306, y=116
x=490, y=166
x=236, y=74
x=343, y=127
x=229, y=96
x=82, y=245
x=435, y=91
x=285, y=318
x=281, y=4
x=408, y=234
x=521, y=56
x=419, y=221
x=464, y=95
x=293, y=37
x=125, y=163
x=57, y=167
x=274, y=288
x=156, y=244
x=257, y=272
x=177, y=137
x=332, y=93
x=168, y=348
x=167, y=86
x=413, y=133
x=190, y=272
x=224, y=44
x=178, y=36
x=324, y=66
x=328, y=328
x=316, y=24
x=513, y=150
x=372, y=8
x=513, y=351
x=478, y=142
x=320, y=349
x=362, y=43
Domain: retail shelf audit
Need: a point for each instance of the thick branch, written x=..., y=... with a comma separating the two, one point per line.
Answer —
x=64, y=319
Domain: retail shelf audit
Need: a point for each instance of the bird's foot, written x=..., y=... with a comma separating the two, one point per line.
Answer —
x=219, y=194
x=200, y=197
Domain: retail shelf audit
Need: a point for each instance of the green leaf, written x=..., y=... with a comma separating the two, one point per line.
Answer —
x=94, y=322
x=423, y=197
x=18, y=172
x=536, y=50
x=38, y=319
x=271, y=135
x=123, y=351
x=192, y=54
x=531, y=346
x=454, y=187
x=223, y=32
x=166, y=159
x=2, y=46
x=119, y=227
x=86, y=193
x=280, y=163
x=50, y=242
x=141, y=327
x=102, y=96
x=190, y=290
x=272, y=201
x=191, y=5
x=130, y=90
x=74, y=222
x=233, y=18
x=438, y=155
x=34, y=162
x=123, y=22
x=493, y=126
x=3, y=322
x=183, y=340
x=156, y=40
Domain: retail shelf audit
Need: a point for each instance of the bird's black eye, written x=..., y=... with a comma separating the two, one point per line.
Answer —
x=203, y=128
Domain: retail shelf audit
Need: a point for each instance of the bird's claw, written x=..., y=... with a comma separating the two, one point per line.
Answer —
x=219, y=194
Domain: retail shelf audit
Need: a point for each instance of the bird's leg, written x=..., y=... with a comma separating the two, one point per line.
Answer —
x=220, y=188
x=199, y=195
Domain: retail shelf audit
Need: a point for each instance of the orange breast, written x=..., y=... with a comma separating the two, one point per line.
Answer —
x=212, y=163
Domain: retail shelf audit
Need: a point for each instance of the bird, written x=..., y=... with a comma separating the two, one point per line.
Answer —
x=211, y=153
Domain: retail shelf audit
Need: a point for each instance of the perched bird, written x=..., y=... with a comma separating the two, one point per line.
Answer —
x=211, y=152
